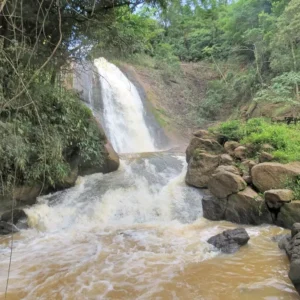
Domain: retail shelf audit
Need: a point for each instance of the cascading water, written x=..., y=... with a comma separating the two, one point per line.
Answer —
x=123, y=111
x=137, y=233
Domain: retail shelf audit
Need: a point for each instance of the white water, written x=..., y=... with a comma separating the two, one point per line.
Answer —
x=123, y=111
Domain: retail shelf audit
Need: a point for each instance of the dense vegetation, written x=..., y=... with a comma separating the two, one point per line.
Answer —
x=285, y=139
x=44, y=126
x=254, y=46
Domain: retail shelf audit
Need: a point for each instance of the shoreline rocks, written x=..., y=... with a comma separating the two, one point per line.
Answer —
x=242, y=190
x=291, y=245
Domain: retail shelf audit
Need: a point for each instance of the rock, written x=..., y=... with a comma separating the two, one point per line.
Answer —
x=207, y=145
x=267, y=148
x=7, y=228
x=276, y=198
x=247, y=179
x=226, y=159
x=203, y=134
x=231, y=169
x=271, y=175
x=229, y=241
x=265, y=157
x=27, y=194
x=111, y=163
x=213, y=208
x=295, y=229
x=200, y=169
x=240, y=152
x=223, y=184
x=18, y=214
x=289, y=214
x=246, y=166
x=247, y=207
x=291, y=245
x=230, y=146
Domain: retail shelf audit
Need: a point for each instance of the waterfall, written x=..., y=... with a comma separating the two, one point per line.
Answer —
x=123, y=113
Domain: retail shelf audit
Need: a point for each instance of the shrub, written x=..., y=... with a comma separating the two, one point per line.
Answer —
x=285, y=139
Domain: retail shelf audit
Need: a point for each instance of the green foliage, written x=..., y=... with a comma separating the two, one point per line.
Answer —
x=284, y=138
x=40, y=139
x=294, y=185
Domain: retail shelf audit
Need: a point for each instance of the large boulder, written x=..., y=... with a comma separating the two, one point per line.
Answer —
x=271, y=175
x=207, y=145
x=288, y=214
x=230, y=146
x=247, y=207
x=200, y=169
x=111, y=163
x=229, y=241
x=276, y=198
x=223, y=184
x=15, y=217
x=213, y=208
x=27, y=194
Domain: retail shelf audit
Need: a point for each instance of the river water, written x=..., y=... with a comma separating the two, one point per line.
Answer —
x=137, y=233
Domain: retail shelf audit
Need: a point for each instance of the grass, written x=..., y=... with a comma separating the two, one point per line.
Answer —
x=258, y=131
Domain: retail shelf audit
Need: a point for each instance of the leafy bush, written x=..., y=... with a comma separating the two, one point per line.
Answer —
x=38, y=140
x=284, y=138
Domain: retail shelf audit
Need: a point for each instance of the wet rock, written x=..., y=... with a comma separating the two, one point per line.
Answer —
x=289, y=214
x=226, y=168
x=8, y=217
x=223, y=184
x=230, y=146
x=200, y=169
x=277, y=198
x=207, y=145
x=265, y=157
x=271, y=175
x=247, y=207
x=7, y=228
x=240, y=152
x=226, y=159
x=213, y=208
x=229, y=241
x=291, y=245
x=27, y=194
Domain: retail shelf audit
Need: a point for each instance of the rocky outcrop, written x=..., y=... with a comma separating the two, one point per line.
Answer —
x=291, y=245
x=267, y=176
x=229, y=241
x=226, y=168
x=203, y=134
x=15, y=217
x=223, y=183
x=213, y=207
x=226, y=159
x=199, y=144
x=200, y=169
